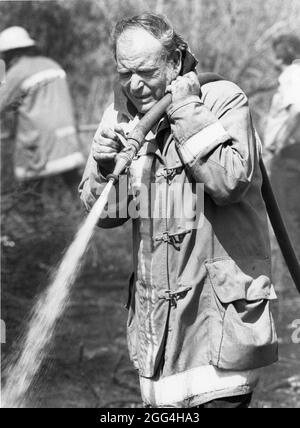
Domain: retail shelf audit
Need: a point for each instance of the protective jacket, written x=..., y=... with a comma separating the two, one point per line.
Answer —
x=201, y=290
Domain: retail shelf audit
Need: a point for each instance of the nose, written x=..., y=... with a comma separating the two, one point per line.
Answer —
x=136, y=83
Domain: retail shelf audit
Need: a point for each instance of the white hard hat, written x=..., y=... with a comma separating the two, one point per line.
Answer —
x=15, y=38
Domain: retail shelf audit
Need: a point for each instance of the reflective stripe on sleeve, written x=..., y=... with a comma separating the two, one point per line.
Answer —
x=53, y=167
x=65, y=132
x=203, y=142
x=42, y=77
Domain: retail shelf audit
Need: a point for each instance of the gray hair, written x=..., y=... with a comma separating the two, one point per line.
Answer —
x=158, y=26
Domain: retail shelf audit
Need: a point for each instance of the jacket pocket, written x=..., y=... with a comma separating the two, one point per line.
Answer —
x=241, y=327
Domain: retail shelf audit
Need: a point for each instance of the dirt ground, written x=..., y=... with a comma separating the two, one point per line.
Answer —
x=88, y=365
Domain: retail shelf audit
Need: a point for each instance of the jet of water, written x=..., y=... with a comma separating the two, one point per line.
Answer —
x=47, y=311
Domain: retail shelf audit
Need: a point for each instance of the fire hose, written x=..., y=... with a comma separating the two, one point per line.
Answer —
x=135, y=141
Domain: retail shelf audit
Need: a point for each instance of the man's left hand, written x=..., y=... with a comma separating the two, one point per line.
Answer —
x=184, y=86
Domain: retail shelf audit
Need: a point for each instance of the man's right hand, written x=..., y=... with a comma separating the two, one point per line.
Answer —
x=106, y=147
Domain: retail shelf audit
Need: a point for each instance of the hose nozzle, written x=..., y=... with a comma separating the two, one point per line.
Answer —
x=123, y=161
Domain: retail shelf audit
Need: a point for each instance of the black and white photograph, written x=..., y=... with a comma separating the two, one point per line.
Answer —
x=150, y=209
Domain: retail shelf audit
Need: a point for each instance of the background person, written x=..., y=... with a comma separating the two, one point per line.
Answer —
x=38, y=134
x=282, y=140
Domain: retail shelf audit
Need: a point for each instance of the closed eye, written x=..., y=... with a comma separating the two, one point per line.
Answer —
x=125, y=75
x=147, y=73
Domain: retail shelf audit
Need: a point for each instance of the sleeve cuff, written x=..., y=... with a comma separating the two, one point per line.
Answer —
x=202, y=143
x=192, y=99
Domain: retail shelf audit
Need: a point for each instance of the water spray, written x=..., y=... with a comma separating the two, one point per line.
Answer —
x=47, y=311
x=51, y=305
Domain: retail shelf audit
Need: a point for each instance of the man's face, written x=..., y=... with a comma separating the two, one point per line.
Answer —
x=143, y=71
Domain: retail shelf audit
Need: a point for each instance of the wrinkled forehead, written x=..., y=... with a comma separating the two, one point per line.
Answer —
x=137, y=45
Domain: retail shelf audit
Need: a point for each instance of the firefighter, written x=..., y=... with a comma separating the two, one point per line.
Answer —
x=38, y=134
x=282, y=142
x=199, y=324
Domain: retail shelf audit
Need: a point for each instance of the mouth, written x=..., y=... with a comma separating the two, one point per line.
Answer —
x=142, y=99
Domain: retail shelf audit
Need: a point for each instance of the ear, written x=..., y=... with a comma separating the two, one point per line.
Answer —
x=177, y=61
